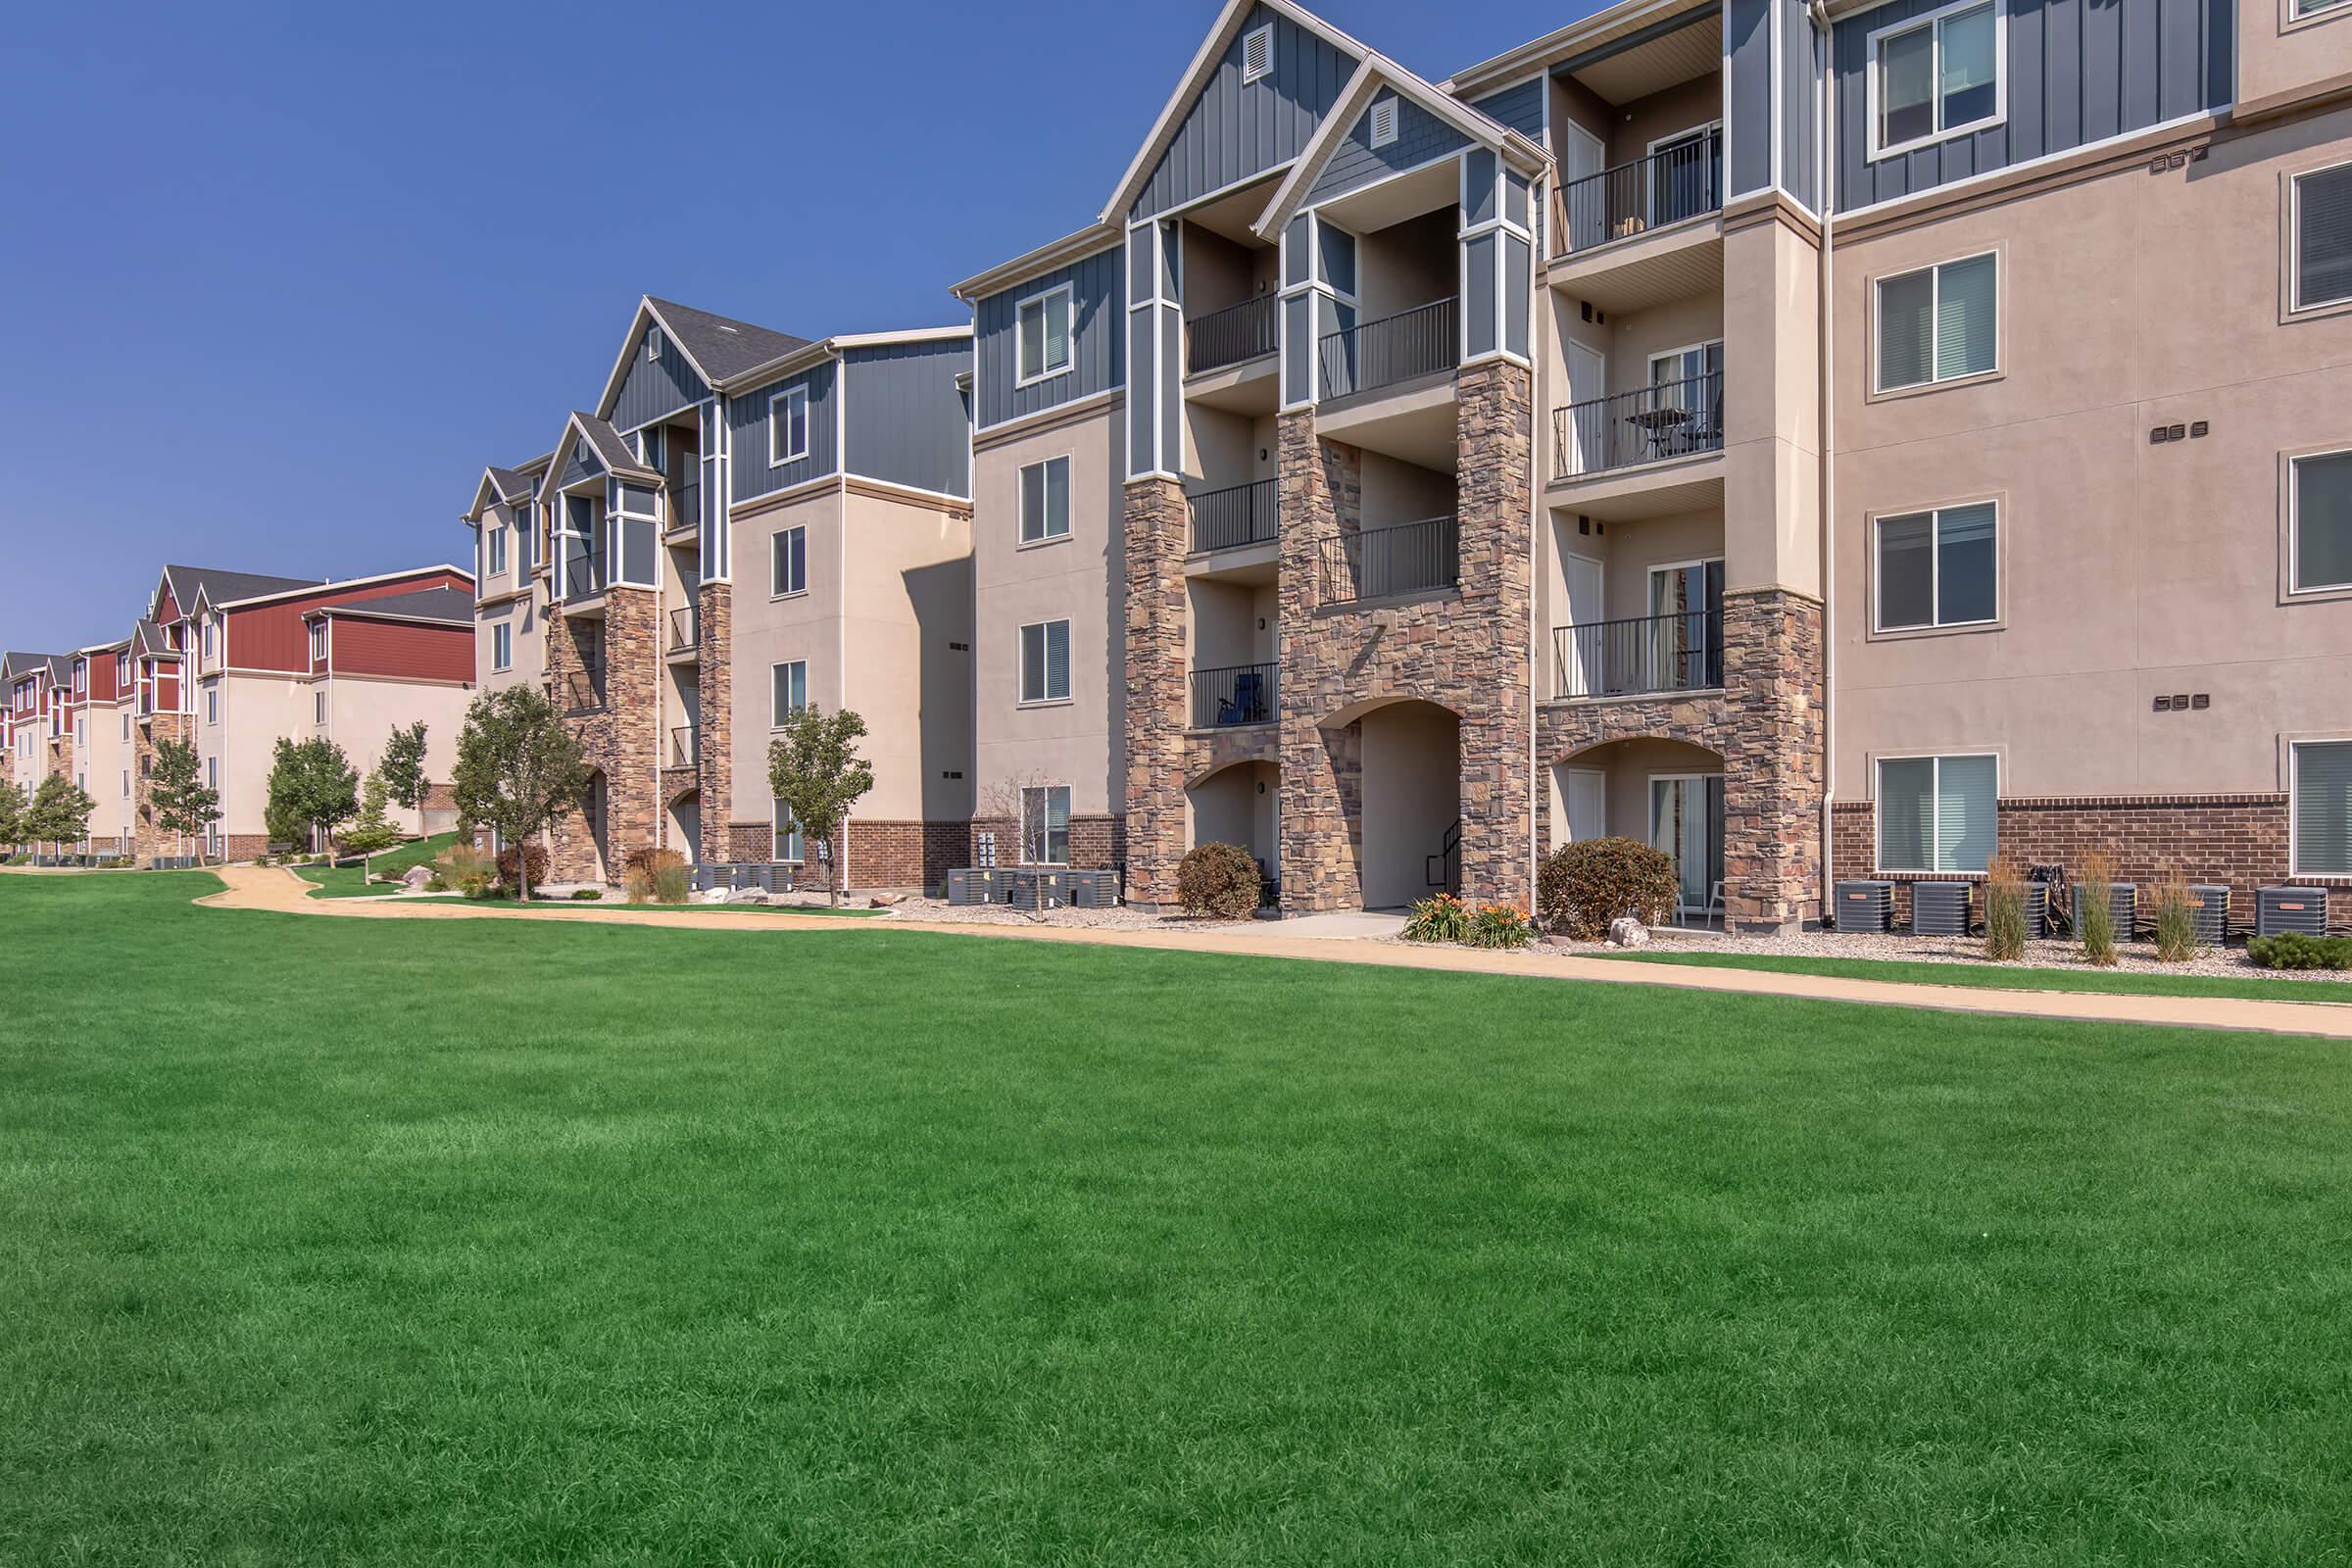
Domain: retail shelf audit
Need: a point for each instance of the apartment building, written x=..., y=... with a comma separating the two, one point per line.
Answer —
x=1824, y=441
x=40, y=716
x=838, y=469
x=102, y=750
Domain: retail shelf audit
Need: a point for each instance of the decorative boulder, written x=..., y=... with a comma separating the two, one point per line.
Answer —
x=1627, y=932
x=884, y=900
x=416, y=876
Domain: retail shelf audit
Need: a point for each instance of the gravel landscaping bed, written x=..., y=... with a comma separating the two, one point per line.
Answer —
x=1121, y=919
x=2137, y=958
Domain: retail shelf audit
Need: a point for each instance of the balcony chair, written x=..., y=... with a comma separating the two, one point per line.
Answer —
x=1248, y=705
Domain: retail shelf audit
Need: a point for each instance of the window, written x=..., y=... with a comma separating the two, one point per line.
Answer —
x=212, y=705
x=1045, y=662
x=788, y=554
x=1043, y=328
x=2322, y=237
x=502, y=646
x=2322, y=807
x=121, y=669
x=2312, y=7
x=318, y=706
x=653, y=342
x=126, y=783
x=2320, y=523
x=790, y=849
x=1046, y=825
x=1938, y=324
x=788, y=427
x=317, y=641
x=498, y=550
x=126, y=727
x=1045, y=500
x=1937, y=77
x=1935, y=814
x=1938, y=569
x=212, y=772
x=208, y=639
x=791, y=687
x=1258, y=53
x=1384, y=123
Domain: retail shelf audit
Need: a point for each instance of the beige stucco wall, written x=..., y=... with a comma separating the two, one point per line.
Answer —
x=363, y=711
x=524, y=617
x=255, y=710
x=2281, y=55
x=1626, y=768
x=2127, y=569
x=909, y=588
x=1079, y=742
x=1237, y=805
x=1411, y=794
x=102, y=756
x=767, y=631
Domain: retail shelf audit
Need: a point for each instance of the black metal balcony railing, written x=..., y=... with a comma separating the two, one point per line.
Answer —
x=1650, y=654
x=1684, y=181
x=685, y=507
x=1405, y=558
x=681, y=746
x=1421, y=341
x=1232, y=335
x=1228, y=519
x=580, y=691
x=683, y=633
x=1650, y=424
x=1243, y=694
x=584, y=574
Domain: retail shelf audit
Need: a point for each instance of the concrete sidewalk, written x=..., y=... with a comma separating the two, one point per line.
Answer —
x=277, y=890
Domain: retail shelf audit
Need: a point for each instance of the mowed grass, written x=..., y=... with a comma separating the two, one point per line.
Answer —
x=2253, y=984
x=350, y=881
x=504, y=1241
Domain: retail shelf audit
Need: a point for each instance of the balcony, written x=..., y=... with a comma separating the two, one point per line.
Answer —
x=685, y=633
x=1426, y=340
x=580, y=692
x=1654, y=424
x=681, y=747
x=1679, y=181
x=1642, y=657
x=1229, y=697
x=586, y=572
x=1233, y=336
x=1387, y=562
x=1234, y=519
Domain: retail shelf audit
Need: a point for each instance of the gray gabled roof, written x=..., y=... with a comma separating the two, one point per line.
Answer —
x=148, y=638
x=722, y=346
x=611, y=449
x=190, y=583
x=512, y=486
x=16, y=666
x=449, y=604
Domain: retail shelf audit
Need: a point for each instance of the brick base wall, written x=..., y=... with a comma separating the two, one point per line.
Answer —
x=244, y=846
x=883, y=857
x=1097, y=843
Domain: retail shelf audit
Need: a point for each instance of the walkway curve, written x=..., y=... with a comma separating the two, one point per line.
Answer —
x=278, y=890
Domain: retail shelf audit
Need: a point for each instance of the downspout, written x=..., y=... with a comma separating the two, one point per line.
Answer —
x=1538, y=193
x=1826, y=196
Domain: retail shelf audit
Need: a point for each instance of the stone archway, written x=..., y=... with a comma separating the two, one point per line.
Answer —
x=1662, y=792
x=682, y=824
x=1238, y=803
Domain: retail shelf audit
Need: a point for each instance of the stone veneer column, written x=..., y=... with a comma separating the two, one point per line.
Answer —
x=1491, y=682
x=715, y=721
x=1320, y=815
x=146, y=736
x=1773, y=785
x=1154, y=535
x=621, y=738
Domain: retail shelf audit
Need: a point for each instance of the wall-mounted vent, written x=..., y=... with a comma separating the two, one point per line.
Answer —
x=1939, y=908
x=1384, y=122
x=1861, y=907
x=2279, y=909
x=2212, y=906
x=1257, y=52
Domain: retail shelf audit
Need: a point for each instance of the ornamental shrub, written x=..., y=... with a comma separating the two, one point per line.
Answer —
x=1218, y=882
x=464, y=868
x=1581, y=887
x=651, y=872
x=1443, y=918
x=1500, y=925
x=587, y=894
x=2292, y=949
x=511, y=864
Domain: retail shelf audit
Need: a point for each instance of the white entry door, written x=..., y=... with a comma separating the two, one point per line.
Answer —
x=1579, y=650
x=1584, y=197
x=1588, y=801
x=1588, y=419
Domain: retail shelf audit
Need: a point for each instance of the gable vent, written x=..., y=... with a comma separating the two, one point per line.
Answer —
x=1257, y=52
x=653, y=342
x=1384, y=122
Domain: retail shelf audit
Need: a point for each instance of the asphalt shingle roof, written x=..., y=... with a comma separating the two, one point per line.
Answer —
x=722, y=346
x=451, y=604
x=228, y=587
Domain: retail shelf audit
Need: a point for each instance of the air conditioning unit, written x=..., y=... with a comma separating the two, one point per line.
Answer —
x=2123, y=908
x=1862, y=907
x=1939, y=908
x=2278, y=909
x=2037, y=909
x=2212, y=906
x=1092, y=890
x=971, y=887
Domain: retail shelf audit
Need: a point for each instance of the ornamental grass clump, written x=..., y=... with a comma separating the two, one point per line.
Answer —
x=2095, y=909
x=465, y=868
x=2004, y=912
x=654, y=875
x=1581, y=887
x=1441, y=918
x=1218, y=882
x=2176, y=921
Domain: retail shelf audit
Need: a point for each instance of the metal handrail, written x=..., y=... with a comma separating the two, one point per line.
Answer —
x=582, y=690
x=584, y=574
x=1644, y=654
x=1233, y=518
x=1238, y=332
x=1421, y=341
x=682, y=631
x=1404, y=558
x=1237, y=694
x=1680, y=181
x=1648, y=424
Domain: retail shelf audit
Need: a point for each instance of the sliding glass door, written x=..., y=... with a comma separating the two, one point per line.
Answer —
x=1686, y=820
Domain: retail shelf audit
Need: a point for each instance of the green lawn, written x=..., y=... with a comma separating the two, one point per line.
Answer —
x=508, y=906
x=510, y=1241
x=2253, y=983
x=345, y=881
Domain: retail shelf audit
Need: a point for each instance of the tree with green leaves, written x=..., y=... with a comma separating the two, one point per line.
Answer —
x=60, y=813
x=402, y=769
x=814, y=770
x=177, y=797
x=12, y=812
x=312, y=789
x=518, y=769
x=372, y=832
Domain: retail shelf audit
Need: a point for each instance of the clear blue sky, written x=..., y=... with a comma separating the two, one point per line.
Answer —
x=286, y=276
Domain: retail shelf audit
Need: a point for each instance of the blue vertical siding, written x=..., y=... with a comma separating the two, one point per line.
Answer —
x=746, y=428
x=1232, y=131
x=1800, y=104
x=905, y=417
x=1097, y=361
x=1749, y=95
x=2078, y=72
x=1521, y=107
x=580, y=462
x=1421, y=137
x=655, y=387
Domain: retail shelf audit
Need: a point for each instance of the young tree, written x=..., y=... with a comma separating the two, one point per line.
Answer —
x=60, y=813
x=815, y=770
x=183, y=806
x=402, y=769
x=372, y=833
x=312, y=789
x=518, y=769
x=12, y=812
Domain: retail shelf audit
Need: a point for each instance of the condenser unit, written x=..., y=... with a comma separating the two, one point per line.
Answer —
x=2281, y=910
x=2037, y=909
x=2123, y=908
x=971, y=886
x=1863, y=907
x=2212, y=907
x=1092, y=890
x=1939, y=908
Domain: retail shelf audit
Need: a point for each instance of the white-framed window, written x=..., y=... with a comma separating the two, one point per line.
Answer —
x=1936, y=814
x=2319, y=521
x=2312, y=7
x=126, y=783
x=1042, y=330
x=1046, y=500
x=212, y=705
x=318, y=706
x=789, y=690
x=2321, y=807
x=2320, y=236
x=1258, y=53
x=788, y=427
x=121, y=670
x=790, y=847
x=502, y=647
x=788, y=560
x=1936, y=568
x=1936, y=76
x=207, y=636
x=498, y=550
x=317, y=641
x=1045, y=824
x=212, y=773
x=1045, y=662
x=653, y=342
x=126, y=727
x=1938, y=324
x=1383, y=129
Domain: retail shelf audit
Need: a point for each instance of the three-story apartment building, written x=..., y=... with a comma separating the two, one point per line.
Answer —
x=102, y=743
x=37, y=688
x=1824, y=441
